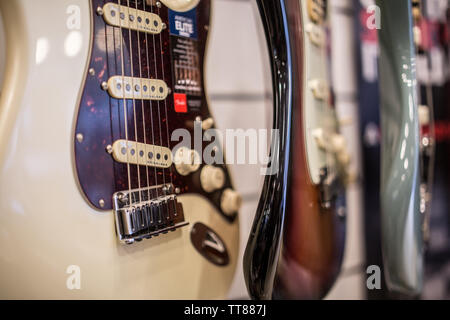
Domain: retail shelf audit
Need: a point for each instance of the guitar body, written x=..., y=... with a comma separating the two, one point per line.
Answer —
x=313, y=242
x=312, y=225
x=57, y=179
x=401, y=219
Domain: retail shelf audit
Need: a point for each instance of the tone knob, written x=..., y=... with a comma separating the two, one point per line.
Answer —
x=316, y=34
x=319, y=89
x=319, y=137
x=230, y=202
x=181, y=5
x=207, y=124
x=212, y=178
x=344, y=158
x=186, y=161
x=338, y=143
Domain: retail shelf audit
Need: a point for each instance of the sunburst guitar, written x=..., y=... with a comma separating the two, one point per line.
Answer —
x=302, y=208
x=99, y=199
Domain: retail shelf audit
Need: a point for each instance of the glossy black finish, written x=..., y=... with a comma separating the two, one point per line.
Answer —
x=262, y=251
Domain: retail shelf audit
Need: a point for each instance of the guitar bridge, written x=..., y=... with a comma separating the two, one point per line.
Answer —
x=146, y=213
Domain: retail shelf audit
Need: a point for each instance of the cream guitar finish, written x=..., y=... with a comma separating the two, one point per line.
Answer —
x=46, y=225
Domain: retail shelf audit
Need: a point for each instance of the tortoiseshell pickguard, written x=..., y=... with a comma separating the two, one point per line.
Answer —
x=101, y=119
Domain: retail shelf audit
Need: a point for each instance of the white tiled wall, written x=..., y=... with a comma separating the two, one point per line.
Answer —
x=237, y=53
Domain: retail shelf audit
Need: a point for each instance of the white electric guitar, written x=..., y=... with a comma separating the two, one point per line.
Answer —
x=93, y=201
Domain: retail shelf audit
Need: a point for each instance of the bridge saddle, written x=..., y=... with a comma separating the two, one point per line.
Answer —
x=146, y=213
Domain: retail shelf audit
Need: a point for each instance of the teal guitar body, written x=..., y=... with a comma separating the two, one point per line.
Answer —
x=402, y=238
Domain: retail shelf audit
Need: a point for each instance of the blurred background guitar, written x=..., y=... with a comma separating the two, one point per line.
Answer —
x=307, y=219
x=401, y=217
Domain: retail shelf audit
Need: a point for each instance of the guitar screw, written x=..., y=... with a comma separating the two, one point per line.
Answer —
x=109, y=149
x=104, y=85
x=123, y=198
x=169, y=90
x=158, y=4
x=80, y=137
x=206, y=27
x=101, y=202
x=99, y=11
x=177, y=190
x=164, y=26
x=92, y=71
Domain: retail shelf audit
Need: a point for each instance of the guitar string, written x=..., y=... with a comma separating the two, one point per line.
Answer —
x=151, y=110
x=125, y=104
x=330, y=158
x=142, y=89
x=325, y=56
x=166, y=114
x=141, y=154
x=159, y=113
x=133, y=101
x=165, y=100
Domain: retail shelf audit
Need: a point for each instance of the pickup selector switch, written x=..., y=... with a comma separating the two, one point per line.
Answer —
x=230, y=201
x=212, y=178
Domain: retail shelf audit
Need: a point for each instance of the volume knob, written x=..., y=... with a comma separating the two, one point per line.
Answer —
x=338, y=143
x=212, y=178
x=186, y=161
x=230, y=202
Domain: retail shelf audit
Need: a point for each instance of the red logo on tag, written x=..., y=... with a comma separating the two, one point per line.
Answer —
x=180, y=101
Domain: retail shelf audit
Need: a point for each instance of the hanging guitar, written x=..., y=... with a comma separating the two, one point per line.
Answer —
x=99, y=200
x=302, y=208
x=401, y=217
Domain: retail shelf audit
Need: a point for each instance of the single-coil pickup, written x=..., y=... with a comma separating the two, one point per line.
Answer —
x=129, y=18
x=121, y=87
x=143, y=154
